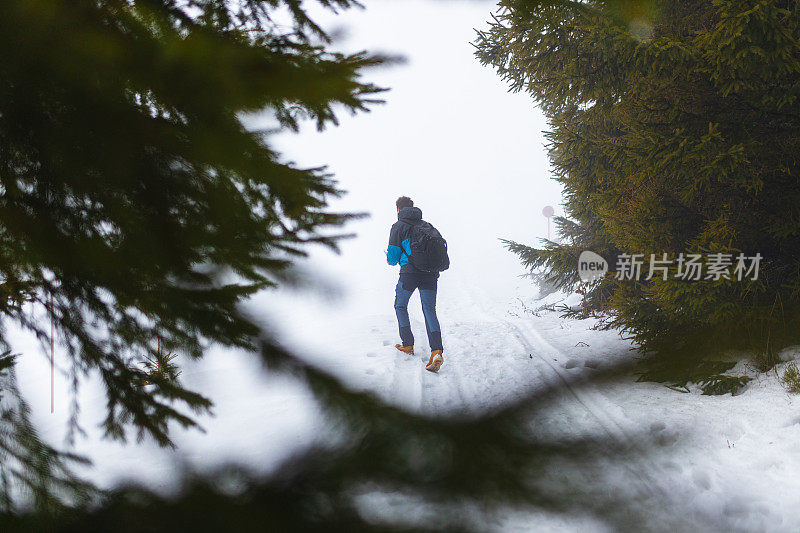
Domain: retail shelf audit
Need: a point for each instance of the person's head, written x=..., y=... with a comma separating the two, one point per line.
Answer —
x=404, y=201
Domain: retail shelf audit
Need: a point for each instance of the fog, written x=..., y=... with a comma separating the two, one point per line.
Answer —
x=469, y=153
x=451, y=137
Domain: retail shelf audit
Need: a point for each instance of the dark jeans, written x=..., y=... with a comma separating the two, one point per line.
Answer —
x=426, y=283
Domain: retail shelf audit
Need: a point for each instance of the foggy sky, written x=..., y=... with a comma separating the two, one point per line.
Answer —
x=450, y=136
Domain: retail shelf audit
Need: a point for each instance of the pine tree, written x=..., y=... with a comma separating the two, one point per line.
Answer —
x=674, y=129
x=132, y=195
x=133, y=198
x=31, y=469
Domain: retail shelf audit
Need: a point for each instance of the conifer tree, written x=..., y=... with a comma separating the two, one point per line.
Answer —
x=675, y=128
x=133, y=198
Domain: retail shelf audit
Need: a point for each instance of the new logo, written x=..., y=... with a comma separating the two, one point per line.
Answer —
x=591, y=266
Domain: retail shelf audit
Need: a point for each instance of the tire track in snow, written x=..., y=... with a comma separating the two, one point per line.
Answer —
x=463, y=405
x=590, y=402
x=586, y=400
x=406, y=385
x=415, y=389
x=443, y=393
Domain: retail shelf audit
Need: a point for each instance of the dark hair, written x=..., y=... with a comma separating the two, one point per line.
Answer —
x=404, y=201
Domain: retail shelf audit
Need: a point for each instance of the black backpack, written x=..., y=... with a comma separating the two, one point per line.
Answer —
x=428, y=248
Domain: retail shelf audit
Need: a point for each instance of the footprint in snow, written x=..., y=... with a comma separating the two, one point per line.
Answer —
x=666, y=438
x=792, y=421
x=387, y=343
x=655, y=427
x=737, y=507
x=591, y=363
x=701, y=480
x=371, y=354
x=370, y=372
x=572, y=363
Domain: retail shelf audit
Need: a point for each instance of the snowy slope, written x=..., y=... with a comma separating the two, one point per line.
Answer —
x=479, y=172
x=718, y=463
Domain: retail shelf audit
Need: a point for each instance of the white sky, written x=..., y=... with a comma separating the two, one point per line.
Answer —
x=450, y=135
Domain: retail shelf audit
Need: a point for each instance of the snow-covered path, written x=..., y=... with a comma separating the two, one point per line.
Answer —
x=487, y=361
x=709, y=463
x=716, y=463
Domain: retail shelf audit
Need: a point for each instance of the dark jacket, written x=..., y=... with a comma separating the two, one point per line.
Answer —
x=400, y=240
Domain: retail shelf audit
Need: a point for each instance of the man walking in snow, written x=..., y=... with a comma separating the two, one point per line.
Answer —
x=412, y=277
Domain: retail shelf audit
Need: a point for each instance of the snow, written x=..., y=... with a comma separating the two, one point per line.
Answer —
x=702, y=462
x=719, y=462
x=715, y=460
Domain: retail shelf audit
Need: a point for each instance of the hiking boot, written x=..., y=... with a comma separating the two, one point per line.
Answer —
x=405, y=349
x=435, y=362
